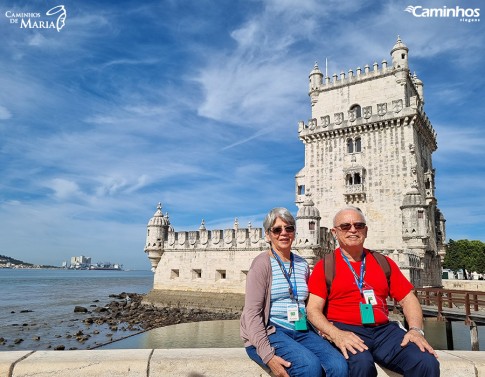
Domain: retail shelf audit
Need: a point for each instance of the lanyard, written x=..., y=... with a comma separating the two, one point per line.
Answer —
x=358, y=280
x=292, y=288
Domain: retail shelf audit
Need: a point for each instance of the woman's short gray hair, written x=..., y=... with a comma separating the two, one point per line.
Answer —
x=280, y=212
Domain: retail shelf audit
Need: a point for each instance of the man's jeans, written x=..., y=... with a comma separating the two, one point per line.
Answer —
x=385, y=349
x=310, y=355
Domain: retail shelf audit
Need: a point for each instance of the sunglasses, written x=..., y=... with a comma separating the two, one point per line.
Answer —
x=279, y=229
x=346, y=226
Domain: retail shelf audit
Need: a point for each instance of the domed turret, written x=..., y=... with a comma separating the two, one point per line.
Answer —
x=399, y=54
x=308, y=223
x=316, y=80
x=414, y=215
x=157, y=232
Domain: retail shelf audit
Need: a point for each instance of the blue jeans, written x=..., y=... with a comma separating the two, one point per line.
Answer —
x=385, y=349
x=310, y=355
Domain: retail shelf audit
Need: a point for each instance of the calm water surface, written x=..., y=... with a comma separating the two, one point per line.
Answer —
x=40, y=303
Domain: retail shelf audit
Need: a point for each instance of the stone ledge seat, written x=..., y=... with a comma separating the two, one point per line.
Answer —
x=200, y=362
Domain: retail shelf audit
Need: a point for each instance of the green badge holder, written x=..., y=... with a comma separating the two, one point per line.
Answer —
x=367, y=314
x=301, y=324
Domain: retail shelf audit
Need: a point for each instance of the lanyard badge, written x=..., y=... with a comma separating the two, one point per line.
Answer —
x=294, y=312
x=366, y=310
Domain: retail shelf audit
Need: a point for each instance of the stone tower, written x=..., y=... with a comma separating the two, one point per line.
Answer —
x=369, y=144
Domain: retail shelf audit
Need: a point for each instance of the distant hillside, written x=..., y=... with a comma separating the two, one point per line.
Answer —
x=12, y=262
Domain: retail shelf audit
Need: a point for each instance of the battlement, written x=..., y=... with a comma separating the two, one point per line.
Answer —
x=344, y=79
x=215, y=239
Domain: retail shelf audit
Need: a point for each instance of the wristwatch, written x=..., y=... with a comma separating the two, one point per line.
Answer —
x=417, y=329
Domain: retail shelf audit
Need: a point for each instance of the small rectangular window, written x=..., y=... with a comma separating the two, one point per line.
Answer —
x=301, y=190
x=220, y=274
x=196, y=274
x=174, y=274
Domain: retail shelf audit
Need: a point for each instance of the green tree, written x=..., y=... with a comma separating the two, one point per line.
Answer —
x=465, y=255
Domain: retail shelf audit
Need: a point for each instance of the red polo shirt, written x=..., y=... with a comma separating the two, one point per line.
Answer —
x=343, y=303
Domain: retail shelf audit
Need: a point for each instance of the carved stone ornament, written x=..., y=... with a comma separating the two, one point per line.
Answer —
x=339, y=118
x=397, y=105
x=192, y=237
x=242, y=235
x=204, y=237
x=312, y=123
x=325, y=120
x=228, y=235
x=352, y=115
x=382, y=109
x=367, y=112
x=182, y=236
x=216, y=236
x=256, y=235
x=171, y=238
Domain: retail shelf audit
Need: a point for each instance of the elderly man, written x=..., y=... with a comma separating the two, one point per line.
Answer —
x=353, y=314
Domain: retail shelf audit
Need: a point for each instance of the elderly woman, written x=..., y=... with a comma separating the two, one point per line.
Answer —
x=273, y=323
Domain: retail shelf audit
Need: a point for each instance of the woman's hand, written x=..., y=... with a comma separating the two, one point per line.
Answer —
x=278, y=366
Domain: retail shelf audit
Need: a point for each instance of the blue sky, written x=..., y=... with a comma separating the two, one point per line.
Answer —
x=195, y=104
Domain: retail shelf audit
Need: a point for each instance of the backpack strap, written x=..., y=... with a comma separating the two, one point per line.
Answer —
x=329, y=267
x=384, y=263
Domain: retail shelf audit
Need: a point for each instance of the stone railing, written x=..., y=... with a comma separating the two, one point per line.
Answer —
x=200, y=362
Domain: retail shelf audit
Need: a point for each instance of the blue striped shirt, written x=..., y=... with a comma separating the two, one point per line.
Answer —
x=280, y=296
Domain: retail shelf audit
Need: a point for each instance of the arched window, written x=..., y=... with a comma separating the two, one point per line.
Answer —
x=350, y=146
x=357, y=179
x=358, y=111
x=350, y=180
x=358, y=144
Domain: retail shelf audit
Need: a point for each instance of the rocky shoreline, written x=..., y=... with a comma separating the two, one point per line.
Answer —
x=95, y=326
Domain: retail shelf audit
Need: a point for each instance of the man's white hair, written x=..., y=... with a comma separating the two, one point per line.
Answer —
x=348, y=208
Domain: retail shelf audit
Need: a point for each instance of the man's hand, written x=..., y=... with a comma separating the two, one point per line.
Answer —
x=278, y=366
x=347, y=341
x=418, y=339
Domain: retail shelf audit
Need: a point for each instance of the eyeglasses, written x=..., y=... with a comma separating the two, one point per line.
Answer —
x=346, y=226
x=279, y=229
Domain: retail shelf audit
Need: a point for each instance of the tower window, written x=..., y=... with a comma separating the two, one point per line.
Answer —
x=350, y=146
x=358, y=144
x=311, y=225
x=301, y=189
x=349, y=180
x=196, y=274
x=357, y=179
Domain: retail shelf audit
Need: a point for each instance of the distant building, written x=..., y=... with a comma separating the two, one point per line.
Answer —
x=369, y=144
x=80, y=262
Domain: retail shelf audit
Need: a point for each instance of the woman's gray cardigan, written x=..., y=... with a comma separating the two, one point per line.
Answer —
x=255, y=326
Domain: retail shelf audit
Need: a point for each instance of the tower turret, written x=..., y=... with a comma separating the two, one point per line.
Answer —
x=316, y=81
x=157, y=233
x=399, y=54
x=308, y=223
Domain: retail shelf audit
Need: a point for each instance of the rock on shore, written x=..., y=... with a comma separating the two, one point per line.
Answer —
x=128, y=312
